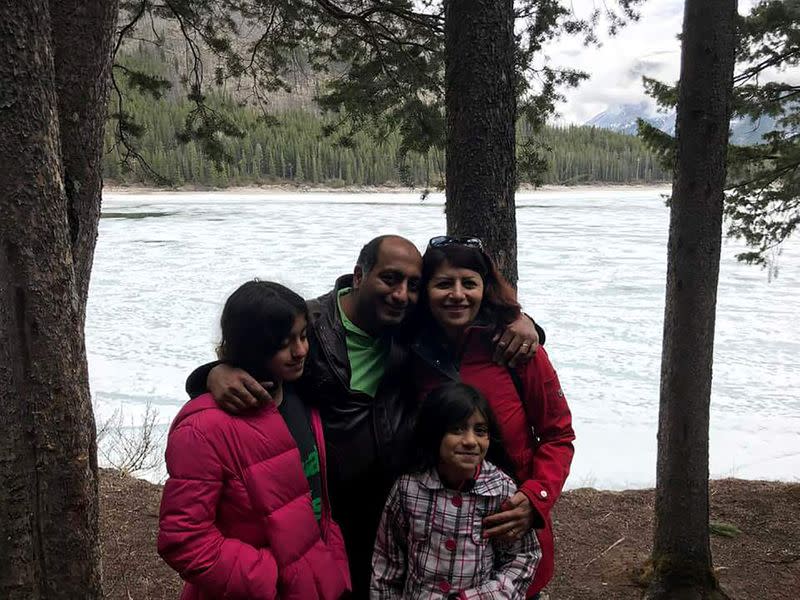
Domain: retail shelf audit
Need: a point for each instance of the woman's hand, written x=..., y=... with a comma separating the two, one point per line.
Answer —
x=517, y=516
x=517, y=343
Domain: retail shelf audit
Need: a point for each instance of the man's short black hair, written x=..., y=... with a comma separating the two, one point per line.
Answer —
x=368, y=256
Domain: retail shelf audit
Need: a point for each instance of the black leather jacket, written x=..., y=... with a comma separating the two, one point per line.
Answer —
x=365, y=436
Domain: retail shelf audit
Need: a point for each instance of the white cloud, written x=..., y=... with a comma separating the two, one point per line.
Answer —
x=648, y=47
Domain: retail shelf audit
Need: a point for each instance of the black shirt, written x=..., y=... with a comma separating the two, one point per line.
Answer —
x=298, y=419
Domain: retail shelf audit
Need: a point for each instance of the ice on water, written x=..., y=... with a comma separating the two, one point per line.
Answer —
x=592, y=271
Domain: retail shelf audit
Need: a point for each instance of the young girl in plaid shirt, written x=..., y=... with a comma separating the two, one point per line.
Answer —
x=430, y=541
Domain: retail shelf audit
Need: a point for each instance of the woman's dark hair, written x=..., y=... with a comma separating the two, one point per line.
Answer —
x=499, y=305
x=257, y=318
x=443, y=409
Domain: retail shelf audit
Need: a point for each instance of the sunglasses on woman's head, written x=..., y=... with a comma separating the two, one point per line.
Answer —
x=446, y=240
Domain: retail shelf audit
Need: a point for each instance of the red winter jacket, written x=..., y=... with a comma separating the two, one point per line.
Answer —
x=541, y=463
x=236, y=516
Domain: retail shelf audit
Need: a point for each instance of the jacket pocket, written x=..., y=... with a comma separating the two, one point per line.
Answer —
x=476, y=530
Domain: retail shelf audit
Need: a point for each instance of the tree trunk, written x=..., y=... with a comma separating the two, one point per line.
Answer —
x=49, y=546
x=82, y=44
x=481, y=109
x=681, y=551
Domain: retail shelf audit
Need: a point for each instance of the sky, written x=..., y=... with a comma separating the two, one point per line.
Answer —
x=648, y=47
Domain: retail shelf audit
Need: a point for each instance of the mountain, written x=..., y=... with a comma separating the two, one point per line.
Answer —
x=745, y=132
x=622, y=119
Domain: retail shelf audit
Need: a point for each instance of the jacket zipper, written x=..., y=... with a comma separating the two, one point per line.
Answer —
x=316, y=425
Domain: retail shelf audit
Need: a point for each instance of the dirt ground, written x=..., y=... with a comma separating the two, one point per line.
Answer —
x=602, y=541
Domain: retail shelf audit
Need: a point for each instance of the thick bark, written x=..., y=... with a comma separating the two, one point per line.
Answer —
x=481, y=114
x=49, y=544
x=681, y=552
x=82, y=44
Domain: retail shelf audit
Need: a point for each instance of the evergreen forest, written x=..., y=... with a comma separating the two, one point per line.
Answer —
x=290, y=146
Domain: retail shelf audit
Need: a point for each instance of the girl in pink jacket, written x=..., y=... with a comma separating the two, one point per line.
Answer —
x=245, y=512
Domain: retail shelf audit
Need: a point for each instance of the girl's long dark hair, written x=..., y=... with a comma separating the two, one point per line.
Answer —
x=255, y=321
x=499, y=306
x=443, y=409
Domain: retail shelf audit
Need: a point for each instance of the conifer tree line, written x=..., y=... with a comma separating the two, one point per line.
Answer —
x=762, y=204
x=292, y=148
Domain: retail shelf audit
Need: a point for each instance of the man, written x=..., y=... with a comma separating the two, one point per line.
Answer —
x=356, y=373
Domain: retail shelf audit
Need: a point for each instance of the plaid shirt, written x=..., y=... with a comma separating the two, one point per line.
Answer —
x=430, y=543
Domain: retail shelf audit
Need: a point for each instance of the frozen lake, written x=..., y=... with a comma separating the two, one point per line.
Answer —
x=592, y=272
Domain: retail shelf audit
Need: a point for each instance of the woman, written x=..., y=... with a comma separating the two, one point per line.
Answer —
x=245, y=511
x=465, y=300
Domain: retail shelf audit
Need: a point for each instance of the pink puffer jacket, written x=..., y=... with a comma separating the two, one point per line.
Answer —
x=236, y=517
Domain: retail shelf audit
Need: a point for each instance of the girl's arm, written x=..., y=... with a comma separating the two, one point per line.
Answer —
x=548, y=413
x=514, y=568
x=390, y=557
x=188, y=539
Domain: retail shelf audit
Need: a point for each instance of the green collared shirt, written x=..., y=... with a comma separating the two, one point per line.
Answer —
x=367, y=354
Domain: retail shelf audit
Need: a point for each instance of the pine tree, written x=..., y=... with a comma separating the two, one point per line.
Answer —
x=681, y=559
x=55, y=59
x=763, y=188
x=481, y=121
x=257, y=162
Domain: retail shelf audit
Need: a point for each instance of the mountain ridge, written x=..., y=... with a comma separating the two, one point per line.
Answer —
x=622, y=119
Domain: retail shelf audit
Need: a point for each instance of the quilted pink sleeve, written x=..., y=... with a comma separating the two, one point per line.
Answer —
x=188, y=539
